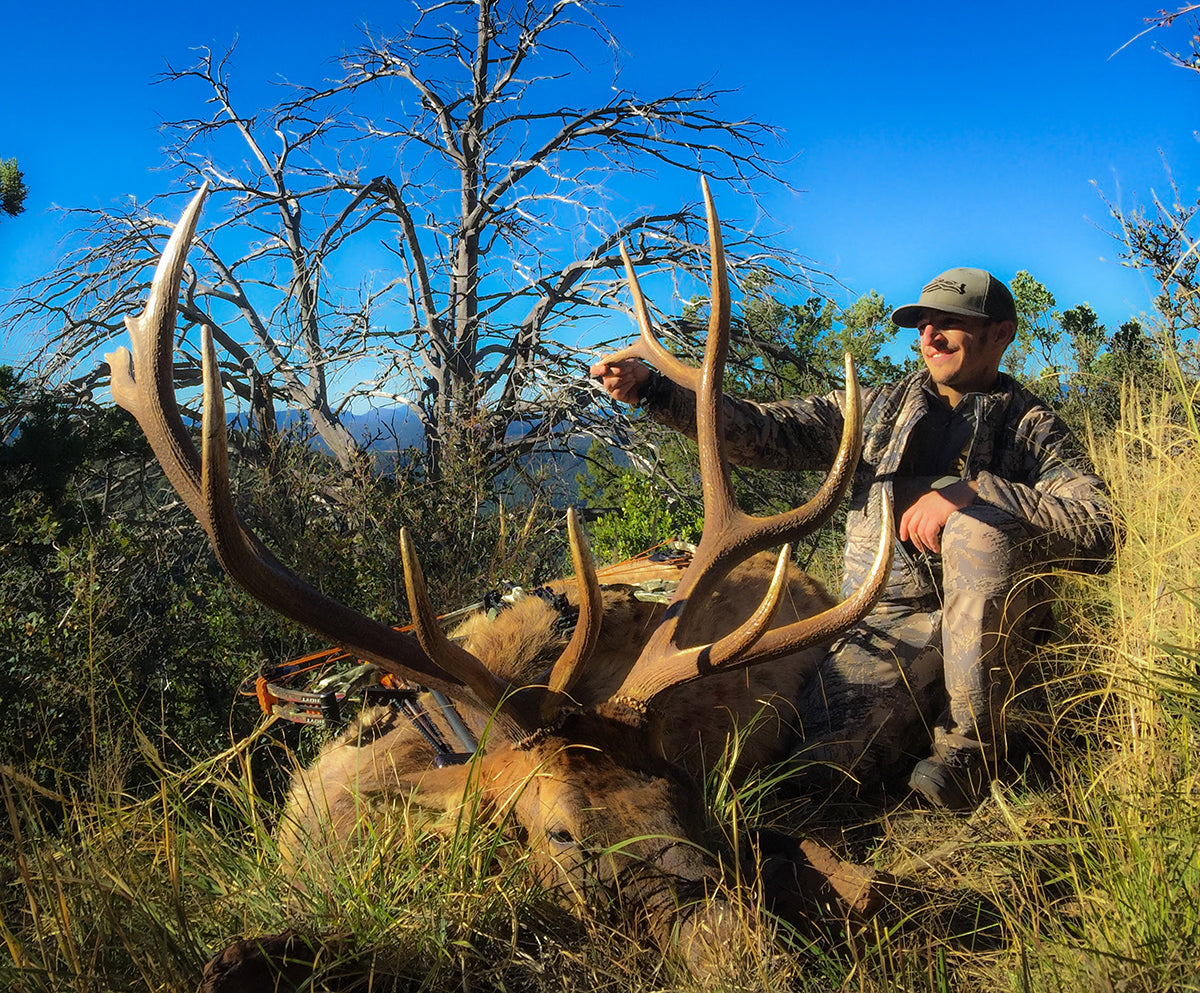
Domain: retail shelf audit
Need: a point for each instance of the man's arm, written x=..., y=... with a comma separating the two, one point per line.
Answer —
x=788, y=434
x=1057, y=492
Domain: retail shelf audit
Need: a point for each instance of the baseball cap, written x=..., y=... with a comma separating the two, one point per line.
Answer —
x=967, y=292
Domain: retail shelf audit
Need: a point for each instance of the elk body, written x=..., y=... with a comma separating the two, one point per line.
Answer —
x=596, y=778
x=591, y=745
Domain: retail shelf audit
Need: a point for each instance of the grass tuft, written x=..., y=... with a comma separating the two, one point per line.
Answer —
x=1080, y=872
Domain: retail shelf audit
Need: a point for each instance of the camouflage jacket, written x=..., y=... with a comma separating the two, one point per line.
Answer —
x=1023, y=456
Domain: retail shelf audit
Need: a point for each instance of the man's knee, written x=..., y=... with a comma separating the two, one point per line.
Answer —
x=983, y=548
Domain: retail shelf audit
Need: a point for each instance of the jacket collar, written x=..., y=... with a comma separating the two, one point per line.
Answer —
x=999, y=395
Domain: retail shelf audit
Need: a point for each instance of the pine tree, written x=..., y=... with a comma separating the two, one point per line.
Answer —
x=12, y=187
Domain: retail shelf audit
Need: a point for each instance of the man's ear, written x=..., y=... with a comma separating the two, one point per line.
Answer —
x=1005, y=332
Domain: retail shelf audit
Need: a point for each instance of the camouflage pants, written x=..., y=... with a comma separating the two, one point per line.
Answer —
x=932, y=673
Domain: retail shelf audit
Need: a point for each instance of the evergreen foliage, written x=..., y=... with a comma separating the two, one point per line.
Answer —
x=108, y=612
x=13, y=190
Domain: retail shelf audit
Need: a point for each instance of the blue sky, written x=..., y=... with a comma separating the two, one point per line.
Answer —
x=919, y=136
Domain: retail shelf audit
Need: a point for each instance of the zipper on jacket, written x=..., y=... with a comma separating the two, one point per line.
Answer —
x=918, y=569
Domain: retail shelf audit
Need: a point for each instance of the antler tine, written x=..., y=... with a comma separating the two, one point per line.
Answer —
x=825, y=625
x=489, y=687
x=571, y=662
x=137, y=380
x=142, y=383
x=739, y=641
x=647, y=346
x=730, y=536
x=720, y=506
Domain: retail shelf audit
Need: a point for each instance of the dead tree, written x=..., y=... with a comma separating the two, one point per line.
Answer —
x=437, y=226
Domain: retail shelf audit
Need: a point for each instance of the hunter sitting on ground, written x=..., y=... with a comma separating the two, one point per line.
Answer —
x=990, y=489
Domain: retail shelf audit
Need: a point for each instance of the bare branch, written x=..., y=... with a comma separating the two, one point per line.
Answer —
x=435, y=224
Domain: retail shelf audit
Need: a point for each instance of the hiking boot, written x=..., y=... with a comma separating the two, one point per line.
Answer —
x=956, y=781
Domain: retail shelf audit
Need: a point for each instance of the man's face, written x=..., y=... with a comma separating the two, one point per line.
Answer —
x=962, y=354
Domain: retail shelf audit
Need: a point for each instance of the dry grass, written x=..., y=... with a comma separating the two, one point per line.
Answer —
x=1079, y=873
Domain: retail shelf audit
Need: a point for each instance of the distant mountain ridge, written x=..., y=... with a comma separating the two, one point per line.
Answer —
x=384, y=429
x=387, y=432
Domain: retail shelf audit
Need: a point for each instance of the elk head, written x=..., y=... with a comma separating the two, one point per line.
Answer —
x=572, y=756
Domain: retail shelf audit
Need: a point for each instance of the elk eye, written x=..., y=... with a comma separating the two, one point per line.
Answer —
x=561, y=837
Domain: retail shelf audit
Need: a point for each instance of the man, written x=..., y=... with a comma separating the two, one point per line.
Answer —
x=990, y=488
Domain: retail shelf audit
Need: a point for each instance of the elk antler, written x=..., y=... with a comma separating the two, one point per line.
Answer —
x=731, y=536
x=491, y=689
x=570, y=663
x=143, y=384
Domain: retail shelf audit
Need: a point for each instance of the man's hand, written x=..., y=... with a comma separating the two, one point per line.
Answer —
x=623, y=380
x=924, y=520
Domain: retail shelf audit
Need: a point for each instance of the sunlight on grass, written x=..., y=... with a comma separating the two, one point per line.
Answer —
x=1134, y=796
x=1080, y=872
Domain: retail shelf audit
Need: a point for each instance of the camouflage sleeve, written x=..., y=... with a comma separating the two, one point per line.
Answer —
x=788, y=434
x=1058, y=493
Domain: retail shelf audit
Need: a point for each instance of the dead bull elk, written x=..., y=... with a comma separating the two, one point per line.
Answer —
x=591, y=756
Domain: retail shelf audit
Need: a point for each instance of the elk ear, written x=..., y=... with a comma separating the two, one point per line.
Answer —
x=346, y=790
x=448, y=788
x=484, y=785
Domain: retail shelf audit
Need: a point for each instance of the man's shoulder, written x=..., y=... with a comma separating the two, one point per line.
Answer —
x=1023, y=405
x=897, y=393
x=1013, y=393
x=1037, y=428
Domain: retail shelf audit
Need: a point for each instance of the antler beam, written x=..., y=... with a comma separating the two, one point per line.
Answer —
x=730, y=535
x=142, y=383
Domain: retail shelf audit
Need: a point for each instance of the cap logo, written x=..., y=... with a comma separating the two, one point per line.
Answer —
x=941, y=283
